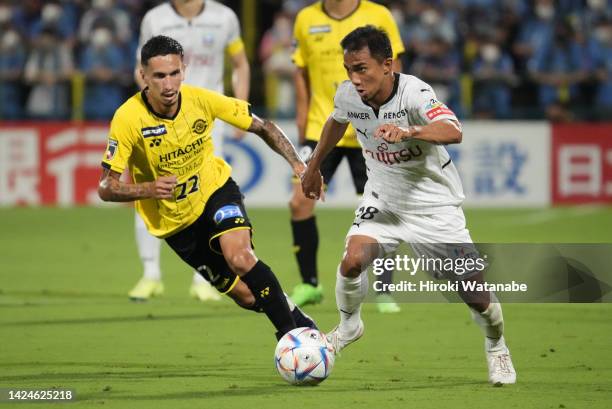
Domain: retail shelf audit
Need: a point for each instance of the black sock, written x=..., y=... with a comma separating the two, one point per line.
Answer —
x=386, y=278
x=306, y=243
x=302, y=320
x=270, y=297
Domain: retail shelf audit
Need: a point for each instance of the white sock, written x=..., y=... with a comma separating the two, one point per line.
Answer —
x=350, y=293
x=148, y=250
x=491, y=321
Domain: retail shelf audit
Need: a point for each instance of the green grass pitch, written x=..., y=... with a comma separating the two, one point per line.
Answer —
x=65, y=321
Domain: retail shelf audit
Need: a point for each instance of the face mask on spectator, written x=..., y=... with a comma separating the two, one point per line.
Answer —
x=51, y=13
x=597, y=4
x=544, y=11
x=430, y=17
x=490, y=52
x=398, y=15
x=603, y=35
x=10, y=40
x=5, y=14
x=102, y=4
x=101, y=37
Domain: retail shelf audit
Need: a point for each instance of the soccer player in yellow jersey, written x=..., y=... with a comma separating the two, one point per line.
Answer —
x=184, y=192
x=318, y=30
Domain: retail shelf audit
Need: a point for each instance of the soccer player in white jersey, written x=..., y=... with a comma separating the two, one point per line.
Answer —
x=206, y=30
x=413, y=193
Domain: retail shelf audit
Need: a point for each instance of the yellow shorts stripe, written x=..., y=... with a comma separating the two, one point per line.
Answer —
x=222, y=233
x=232, y=286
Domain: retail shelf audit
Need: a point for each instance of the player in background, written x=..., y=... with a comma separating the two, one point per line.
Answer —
x=207, y=30
x=413, y=193
x=318, y=57
x=183, y=191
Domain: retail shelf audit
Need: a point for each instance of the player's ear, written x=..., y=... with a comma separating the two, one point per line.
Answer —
x=183, y=68
x=388, y=64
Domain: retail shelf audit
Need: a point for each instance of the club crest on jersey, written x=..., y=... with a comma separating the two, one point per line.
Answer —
x=227, y=212
x=153, y=131
x=199, y=126
x=326, y=28
x=111, y=149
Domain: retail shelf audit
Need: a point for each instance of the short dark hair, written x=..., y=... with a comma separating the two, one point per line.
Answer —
x=160, y=45
x=369, y=36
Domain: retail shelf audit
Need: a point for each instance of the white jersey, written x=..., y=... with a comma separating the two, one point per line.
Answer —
x=412, y=175
x=205, y=39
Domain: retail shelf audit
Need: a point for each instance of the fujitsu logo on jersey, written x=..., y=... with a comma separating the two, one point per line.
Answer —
x=394, y=157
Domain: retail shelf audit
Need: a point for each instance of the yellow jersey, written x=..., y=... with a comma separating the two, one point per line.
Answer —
x=153, y=145
x=317, y=38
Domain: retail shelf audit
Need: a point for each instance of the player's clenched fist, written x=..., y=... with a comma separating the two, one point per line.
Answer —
x=392, y=133
x=312, y=183
x=163, y=187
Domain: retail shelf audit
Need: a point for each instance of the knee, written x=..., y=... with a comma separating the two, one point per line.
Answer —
x=300, y=206
x=241, y=261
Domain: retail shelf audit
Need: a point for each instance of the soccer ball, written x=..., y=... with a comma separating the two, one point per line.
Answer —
x=304, y=357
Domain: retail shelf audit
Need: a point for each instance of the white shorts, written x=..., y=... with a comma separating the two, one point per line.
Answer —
x=428, y=235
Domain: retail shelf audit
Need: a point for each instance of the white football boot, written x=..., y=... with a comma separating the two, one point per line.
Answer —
x=340, y=341
x=501, y=370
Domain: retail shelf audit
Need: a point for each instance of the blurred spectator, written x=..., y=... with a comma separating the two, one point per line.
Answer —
x=104, y=68
x=12, y=61
x=48, y=70
x=600, y=48
x=432, y=24
x=104, y=13
x=26, y=16
x=493, y=74
x=438, y=65
x=52, y=15
x=275, y=53
x=6, y=15
x=533, y=33
x=558, y=68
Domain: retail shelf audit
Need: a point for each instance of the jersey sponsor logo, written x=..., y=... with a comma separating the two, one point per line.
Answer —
x=358, y=115
x=199, y=126
x=153, y=131
x=436, y=112
x=436, y=108
x=227, y=212
x=111, y=149
x=192, y=147
x=326, y=28
x=396, y=115
x=394, y=157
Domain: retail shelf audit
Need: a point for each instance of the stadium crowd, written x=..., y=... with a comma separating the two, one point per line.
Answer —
x=503, y=59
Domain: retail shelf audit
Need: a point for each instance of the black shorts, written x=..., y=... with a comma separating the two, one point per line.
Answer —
x=198, y=245
x=355, y=160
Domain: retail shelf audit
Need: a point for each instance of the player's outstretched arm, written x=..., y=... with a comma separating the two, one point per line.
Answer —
x=312, y=184
x=112, y=189
x=278, y=141
x=442, y=132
